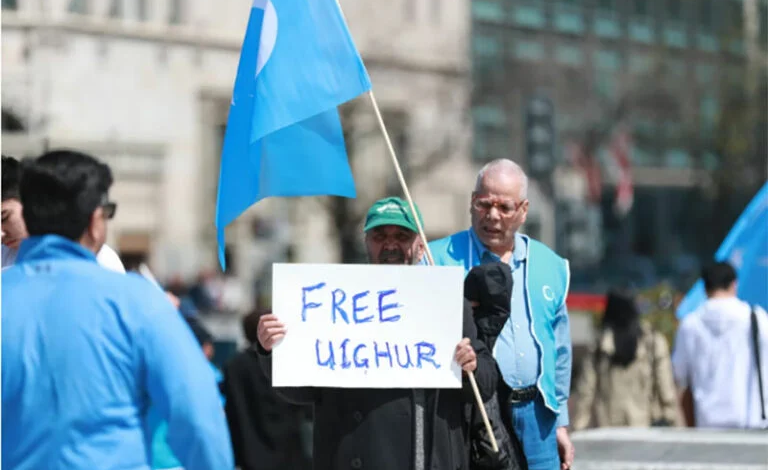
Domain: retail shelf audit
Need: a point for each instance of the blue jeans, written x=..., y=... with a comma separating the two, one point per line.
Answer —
x=535, y=426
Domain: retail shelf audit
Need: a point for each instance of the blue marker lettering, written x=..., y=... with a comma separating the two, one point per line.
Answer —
x=360, y=364
x=381, y=353
x=344, y=361
x=408, y=362
x=356, y=309
x=383, y=308
x=426, y=355
x=330, y=363
x=304, y=304
x=337, y=305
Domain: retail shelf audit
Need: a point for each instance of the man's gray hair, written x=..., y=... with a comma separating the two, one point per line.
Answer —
x=504, y=166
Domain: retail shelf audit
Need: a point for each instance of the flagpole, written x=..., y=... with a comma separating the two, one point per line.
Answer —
x=427, y=251
x=401, y=178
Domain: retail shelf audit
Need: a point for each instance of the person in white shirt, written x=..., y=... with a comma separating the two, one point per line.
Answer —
x=14, y=230
x=714, y=356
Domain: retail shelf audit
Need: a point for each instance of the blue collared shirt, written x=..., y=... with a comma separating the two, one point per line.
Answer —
x=517, y=352
x=84, y=352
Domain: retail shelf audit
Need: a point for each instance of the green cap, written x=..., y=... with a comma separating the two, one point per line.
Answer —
x=392, y=211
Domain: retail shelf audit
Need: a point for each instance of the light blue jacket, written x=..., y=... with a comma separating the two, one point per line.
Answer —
x=547, y=278
x=84, y=352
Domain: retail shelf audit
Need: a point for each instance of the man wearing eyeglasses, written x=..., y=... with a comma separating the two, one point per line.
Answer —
x=85, y=351
x=533, y=350
x=14, y=230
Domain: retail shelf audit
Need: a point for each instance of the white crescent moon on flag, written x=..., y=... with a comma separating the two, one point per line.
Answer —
x=268, y=32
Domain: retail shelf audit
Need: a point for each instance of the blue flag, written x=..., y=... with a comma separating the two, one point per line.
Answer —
x=746, y=248
x=284, y=136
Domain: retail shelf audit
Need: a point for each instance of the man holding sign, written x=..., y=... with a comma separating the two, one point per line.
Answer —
x=384, y=428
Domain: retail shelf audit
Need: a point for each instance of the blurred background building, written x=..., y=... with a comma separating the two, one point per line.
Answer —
x=641, y=122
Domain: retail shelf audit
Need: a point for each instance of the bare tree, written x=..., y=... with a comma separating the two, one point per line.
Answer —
x=347, y=215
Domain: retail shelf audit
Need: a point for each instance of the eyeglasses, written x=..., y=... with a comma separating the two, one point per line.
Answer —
x=505, y=208
x=109, y=209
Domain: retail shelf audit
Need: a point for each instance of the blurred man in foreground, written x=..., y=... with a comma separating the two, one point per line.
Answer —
x=84, y=350
x=391, y=428
x=14, y=228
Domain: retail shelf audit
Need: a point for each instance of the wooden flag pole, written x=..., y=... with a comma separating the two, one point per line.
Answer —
x=400, y=177
x=431, y=260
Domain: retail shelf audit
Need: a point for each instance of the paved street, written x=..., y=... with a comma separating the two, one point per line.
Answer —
x=670, y=449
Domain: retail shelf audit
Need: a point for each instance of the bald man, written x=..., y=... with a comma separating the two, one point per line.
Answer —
x=533, y=349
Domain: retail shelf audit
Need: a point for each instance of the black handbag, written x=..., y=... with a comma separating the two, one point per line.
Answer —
x=510, y=455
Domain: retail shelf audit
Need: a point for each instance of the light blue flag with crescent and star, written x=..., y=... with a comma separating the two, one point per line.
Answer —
x=746, y=249
x=284, y=137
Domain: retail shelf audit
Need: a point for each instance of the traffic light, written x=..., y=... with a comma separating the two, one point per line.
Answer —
x=540, y=137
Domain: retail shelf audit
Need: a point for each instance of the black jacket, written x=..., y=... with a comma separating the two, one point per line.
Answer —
x=265, y=430
x=374, y=428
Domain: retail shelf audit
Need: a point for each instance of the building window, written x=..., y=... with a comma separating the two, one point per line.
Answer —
x=489, y=116
x=116, y=9
x=10, y=5
x=605, y=22
x=486, y=46
x=675, y=34
x=571, y=56
x=488, y=10
x=530, y=16
x=78, y=6
x=608, y=60
x=677, y=158
x=569, y=17
x=607, y=64
x=640, y=25
x=175, y=15
x=529, y=50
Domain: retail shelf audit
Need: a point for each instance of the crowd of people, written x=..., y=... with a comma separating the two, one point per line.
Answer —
x=104, y=369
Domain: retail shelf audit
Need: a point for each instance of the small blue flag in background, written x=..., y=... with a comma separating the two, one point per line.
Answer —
x=284, y=138
x=746, y=248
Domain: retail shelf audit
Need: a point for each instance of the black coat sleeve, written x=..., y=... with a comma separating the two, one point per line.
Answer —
x=486, y=374
x=296, y=395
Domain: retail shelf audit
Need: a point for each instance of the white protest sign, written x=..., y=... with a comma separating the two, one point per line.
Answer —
x=367, y=326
